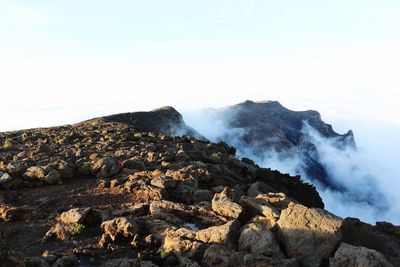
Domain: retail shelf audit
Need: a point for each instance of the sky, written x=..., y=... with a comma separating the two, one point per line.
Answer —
x=65, y=61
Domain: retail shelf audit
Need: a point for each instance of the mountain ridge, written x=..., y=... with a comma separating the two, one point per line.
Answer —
x=103, y=193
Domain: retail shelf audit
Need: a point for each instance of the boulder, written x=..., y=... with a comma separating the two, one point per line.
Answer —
x=16, y=168
x=122, y=227
x=352, y=256
x=106, y=167
x=13, y=214
x=52, y=177
x=163, y=182
x=308, y=234
x=122, y=262
x=252, y=260
x=6, y=181
x=66, y=169
x=222, y=204
x=226, y=234
x=256, y=238
x=221, y=256
x=34, y=173
x=134, y=165
x=84, y=216
x=357, y=233
x=201, y=195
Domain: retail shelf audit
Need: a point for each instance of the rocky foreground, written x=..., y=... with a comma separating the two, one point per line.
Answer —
x=103, y=193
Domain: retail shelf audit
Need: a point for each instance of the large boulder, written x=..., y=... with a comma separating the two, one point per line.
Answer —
x=256, y=238
x=221, y=256
x=122, y=227
x=222, y=204
x=106, y=167
x=46, y=174
x=351, y=256
x=308, y=234
x=34, y=173
x=226, y=234
x=357, y=233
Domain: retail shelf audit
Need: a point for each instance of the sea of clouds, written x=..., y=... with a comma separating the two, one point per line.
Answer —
x=370, y=174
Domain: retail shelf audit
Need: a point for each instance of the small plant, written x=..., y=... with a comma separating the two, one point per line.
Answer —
x=200, y=165
x=108, y=154
x=137, y=136
x=7, y=144
x=78, y=229
x=85, y=168
x=216, y=156
x=163, y=253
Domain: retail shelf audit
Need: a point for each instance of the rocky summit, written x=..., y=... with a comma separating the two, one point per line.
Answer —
x=122, y=190
x=269, y=126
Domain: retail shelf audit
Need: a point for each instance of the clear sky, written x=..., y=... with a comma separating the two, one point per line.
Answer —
x=63, y=61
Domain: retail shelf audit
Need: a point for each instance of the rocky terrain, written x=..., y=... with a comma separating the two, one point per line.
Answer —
x=122, y=191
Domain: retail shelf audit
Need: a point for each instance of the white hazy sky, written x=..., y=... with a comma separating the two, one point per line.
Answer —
x=64, y=61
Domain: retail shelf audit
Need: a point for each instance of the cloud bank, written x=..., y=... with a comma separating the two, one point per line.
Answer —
x=368, y=174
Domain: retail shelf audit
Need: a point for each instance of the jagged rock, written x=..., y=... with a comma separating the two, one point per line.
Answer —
x=61, y=231
x=6, y=181
x=202, y=195
x=16, y=168
x=66, y=169
x=105, y=167
x=52, y=176
x=258, y=188
x=226, y=234
x=221, y=256
x=34, y=173
x=357, y=233
x=134, y=165
x=123, y=262
x=66, y=261
x=256, y=238
x=13, y=214
x=162, y=182
x=223, y=205
x=43, y=148
x=310, y=235
x=251, y=260
x=351, y=256
x=122, y=227
x=84, y=216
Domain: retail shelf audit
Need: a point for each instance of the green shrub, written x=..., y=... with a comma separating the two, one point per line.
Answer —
x=78, y=229
x=137, y=136
x=200, y=165
x=108, y=154
x=216, y=156
x=163, y=253
x=7, y=144
x=85, y=168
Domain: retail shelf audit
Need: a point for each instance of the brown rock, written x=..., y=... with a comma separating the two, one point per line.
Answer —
x=226, y=234
x=13, y=214
x=256, y=238
x=122, y=227
x=223, y=205
x=34, y=173
x=308, y=234
x=106, y=167
x=351, y=256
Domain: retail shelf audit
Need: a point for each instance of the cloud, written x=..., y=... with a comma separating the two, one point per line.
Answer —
x=369, y=180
